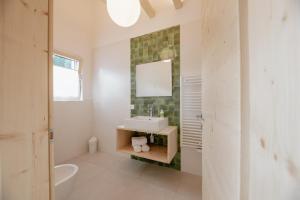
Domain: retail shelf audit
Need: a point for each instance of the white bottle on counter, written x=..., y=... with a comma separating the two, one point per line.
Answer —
x=162, y=113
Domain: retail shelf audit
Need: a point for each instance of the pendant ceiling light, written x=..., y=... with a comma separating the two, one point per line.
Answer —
x=125, y=13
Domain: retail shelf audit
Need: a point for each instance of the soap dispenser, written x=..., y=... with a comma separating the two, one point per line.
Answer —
x=162, y=113
x=152, y=138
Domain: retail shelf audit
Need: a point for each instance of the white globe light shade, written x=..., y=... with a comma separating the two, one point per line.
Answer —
x=125, y=13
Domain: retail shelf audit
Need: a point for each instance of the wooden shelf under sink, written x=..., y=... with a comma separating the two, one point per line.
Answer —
x=164, y=154
x=158, y=153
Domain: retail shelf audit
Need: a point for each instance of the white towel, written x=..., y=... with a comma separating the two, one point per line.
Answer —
x=138, y=141
x=145, y=148
x=137, y=148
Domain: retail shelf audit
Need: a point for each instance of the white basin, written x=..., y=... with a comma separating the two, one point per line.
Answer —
x=146, y=124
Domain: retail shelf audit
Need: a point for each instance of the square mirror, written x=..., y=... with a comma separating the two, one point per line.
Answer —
x=154, y=79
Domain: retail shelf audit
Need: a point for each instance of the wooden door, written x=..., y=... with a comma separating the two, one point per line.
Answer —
x=221, y=86
x=24, y=143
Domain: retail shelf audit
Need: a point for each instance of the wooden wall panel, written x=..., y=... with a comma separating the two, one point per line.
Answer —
x=50, y=98
x=24, y=99
x=221, y=73
x=245, y=99
x=274, y=73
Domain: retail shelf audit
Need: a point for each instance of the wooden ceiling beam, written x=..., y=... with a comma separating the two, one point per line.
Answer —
x=148, y=8
x=178, y=4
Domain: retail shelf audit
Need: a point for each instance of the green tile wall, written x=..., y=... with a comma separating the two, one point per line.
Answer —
x=145, y=49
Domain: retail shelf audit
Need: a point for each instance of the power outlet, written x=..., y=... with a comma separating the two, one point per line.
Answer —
x=132, y=107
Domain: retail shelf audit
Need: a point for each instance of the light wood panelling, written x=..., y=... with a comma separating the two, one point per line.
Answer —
x=245, y=99
x=123, y=138
x=172, y=144
x=1, y=60
x=50, y=103
x=24, y=99
x=148, y=8
x=273, y=63
x=220, y=63
x=157, y=153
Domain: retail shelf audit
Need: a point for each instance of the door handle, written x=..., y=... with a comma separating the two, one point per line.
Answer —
x=200, y=117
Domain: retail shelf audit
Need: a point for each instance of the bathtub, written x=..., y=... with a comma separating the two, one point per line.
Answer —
x=64, y=180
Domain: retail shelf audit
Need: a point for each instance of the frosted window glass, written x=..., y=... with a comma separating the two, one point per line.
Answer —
x=66, y=80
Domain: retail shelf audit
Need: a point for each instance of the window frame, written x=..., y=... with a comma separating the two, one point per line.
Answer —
x=73, y=57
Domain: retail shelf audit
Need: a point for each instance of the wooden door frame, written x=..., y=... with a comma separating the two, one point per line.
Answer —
x=50, y=101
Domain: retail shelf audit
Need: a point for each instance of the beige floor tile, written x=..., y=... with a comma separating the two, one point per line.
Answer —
x=108, y=177
x=162, y=177
x=190, y=186
x=145, y=191
x=96, y=188
x=102, y=160
x=86, y=172
x=130, y=167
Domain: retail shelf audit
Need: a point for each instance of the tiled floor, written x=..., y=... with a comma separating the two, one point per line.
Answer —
x=106, y=177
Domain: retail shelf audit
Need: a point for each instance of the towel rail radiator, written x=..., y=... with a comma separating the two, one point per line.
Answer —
x=191, y=112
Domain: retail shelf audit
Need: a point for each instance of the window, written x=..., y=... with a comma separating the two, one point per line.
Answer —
x=67, y=84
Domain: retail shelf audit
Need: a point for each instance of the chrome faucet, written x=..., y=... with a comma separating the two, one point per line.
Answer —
x=150, y=110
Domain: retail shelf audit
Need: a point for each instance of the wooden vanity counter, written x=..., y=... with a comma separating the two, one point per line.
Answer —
x=164, y=154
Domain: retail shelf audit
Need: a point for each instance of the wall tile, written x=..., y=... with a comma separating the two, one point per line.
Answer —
x=145, y=49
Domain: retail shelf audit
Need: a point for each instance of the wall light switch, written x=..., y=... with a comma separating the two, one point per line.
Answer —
x=132, y=107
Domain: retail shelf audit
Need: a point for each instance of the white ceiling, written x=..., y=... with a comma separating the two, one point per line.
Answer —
x=107, y=32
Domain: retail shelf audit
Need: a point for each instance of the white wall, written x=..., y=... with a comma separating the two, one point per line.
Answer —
x=190, y=49
x=111, y=92
x=73, y=35
x=112, y=65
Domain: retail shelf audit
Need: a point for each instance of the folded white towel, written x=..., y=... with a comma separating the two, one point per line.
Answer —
x=138, y=141
x=145, y=148
x=137, y=148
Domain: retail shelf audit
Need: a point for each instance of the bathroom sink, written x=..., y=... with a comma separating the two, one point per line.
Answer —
x=146, y=124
